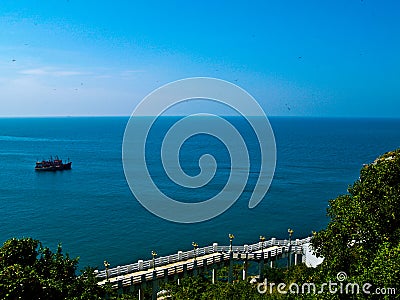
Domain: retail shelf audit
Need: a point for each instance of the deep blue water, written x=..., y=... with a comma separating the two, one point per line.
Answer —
x=91, y=210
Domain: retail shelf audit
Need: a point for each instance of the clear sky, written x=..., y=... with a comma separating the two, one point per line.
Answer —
x=297, y=58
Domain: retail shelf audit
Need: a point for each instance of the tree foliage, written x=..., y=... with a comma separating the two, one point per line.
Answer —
x=30, y=271
x=363, y=236
x=200, y=288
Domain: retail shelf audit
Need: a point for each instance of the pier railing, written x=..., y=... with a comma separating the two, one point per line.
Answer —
x=251, y=252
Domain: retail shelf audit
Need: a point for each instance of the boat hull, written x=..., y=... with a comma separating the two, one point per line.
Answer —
x=52, y=166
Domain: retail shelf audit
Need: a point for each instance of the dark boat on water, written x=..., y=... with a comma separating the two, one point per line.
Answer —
x=53, y=165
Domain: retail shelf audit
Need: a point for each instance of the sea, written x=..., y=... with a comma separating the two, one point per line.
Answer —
x=92, y=212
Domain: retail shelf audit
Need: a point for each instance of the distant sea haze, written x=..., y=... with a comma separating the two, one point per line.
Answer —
x=92, y=211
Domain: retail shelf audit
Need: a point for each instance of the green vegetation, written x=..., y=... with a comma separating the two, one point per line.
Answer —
x=30, y=271
x=200, y=288
x=362, y=239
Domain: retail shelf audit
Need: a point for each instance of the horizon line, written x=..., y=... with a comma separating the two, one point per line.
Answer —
x=128, y=116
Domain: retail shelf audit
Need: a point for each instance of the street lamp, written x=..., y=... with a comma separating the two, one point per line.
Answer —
x=195, y=245
x=261, y=262
x=262, y=240
x=154, y=254
x=290, y=231
x=231, y=237
x=107, y=265
x=230, y=274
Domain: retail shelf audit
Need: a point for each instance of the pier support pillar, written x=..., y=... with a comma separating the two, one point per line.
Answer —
x=165, y=275
x=184, y=270
x=296, y=258
x=195, y=268
x=261, y=267
x=205, y=266
x=244, y=271
x=271, y=264
x=141, y=293
x=260, y=270
x=214, y=275
x=155, y=286
x=120, y=290
x=230, y=274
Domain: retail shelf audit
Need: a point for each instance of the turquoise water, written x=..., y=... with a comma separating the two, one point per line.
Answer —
x=91, y=210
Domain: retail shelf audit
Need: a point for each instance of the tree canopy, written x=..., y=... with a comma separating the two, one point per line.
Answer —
x=30, y=271
x=363, y=236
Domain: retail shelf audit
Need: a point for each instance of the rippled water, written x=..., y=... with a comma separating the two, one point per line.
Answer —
x=91, y=210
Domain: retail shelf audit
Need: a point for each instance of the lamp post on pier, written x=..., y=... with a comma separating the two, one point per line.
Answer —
x=155, y=286
x=230, y=274
x=106, y=265
x=231, y=237
x=154, y=254
x=262, y=240
x=195, y=245
x=290, y=231
x=261, y=263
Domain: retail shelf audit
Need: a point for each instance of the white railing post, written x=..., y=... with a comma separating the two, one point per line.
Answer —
x=180, y=253
x=246, y=248
x=140, y=264
x=273, y=241
x=215, y=247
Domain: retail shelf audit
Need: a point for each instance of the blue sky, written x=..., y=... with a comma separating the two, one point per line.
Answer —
x=297, y=58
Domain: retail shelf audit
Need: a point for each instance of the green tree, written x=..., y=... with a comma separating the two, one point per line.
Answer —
x=200, y=288
x=30, y=271
x=363, y=236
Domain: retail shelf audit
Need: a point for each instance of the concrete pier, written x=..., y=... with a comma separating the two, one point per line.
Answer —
x=139, y=275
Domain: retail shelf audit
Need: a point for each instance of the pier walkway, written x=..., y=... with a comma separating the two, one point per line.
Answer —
x=149, y=273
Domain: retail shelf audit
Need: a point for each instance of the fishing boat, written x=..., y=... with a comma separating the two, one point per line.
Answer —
x=55, y=164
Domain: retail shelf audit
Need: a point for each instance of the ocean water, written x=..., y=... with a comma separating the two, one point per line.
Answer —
x=93, y=213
